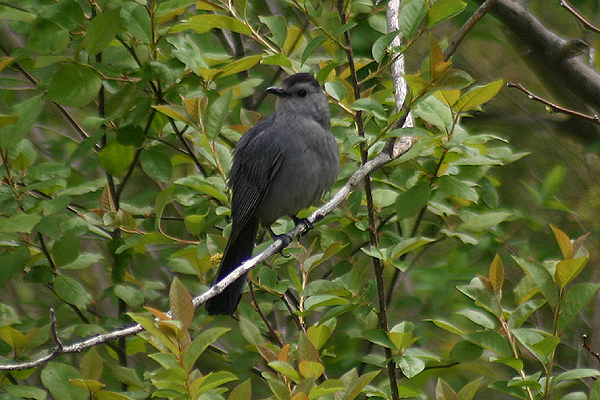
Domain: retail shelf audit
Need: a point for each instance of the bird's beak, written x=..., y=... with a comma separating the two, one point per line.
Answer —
x=277, y=91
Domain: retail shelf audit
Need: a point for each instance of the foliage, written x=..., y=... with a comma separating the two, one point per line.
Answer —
x=118, y=121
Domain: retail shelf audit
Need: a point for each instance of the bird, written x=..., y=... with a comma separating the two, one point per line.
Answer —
x=282, y=165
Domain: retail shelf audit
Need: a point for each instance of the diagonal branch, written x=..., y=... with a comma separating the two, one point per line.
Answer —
x=402, y=145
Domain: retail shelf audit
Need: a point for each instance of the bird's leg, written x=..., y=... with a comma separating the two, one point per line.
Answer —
x=284, y=238
x=304, y=221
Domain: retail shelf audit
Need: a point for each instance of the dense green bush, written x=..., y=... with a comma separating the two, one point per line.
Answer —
x=118, y=121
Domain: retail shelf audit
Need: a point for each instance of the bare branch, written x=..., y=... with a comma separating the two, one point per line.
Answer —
x=556, y=108
x=402, y=146
x=588, y=25
x=589, y=349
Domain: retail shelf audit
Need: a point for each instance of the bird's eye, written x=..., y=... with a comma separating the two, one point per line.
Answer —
x=301, y=93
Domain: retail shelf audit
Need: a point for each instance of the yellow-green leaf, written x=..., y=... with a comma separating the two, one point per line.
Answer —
x=496, y=274
x=181, y=304
x=311, y=368
x=477, y=96
x=287, y=370
x=564, y=243
x=88, y=384
x=567, y=270
x=12, y=337
x=318, y=335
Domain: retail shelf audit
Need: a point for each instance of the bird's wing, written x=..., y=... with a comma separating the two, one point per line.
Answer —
x=256, y=160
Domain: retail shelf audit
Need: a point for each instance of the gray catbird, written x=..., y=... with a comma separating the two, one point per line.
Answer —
x=280, y=166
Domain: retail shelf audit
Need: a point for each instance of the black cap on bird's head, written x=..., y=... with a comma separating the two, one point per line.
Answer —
x=291, y=81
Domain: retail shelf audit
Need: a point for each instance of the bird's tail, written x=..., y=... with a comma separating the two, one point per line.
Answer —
x=239, y=249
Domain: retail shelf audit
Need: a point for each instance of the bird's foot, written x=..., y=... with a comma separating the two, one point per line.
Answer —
x=304, y=221
x=285, y=239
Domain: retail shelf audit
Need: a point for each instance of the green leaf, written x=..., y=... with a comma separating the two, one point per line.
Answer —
x=243, y=391
x=477, y=96
x=444, y=391
x=215, y=118
x=553, y=181
x=409, y=245
x=240, y=65
x=200, y=344
x=13, y=337
x=445, y=325
x=71, y=291
x=158, y=335
x=13, y=262
x=478, y=317
x=74, y=85
x=433, y=111
x=312, y=46
x=452, y=79
x=512, y=362
x=325, y=389
x=335, y=89
x=162, y=199
x=318, y=335
x=370, y=106
x=323, y=300
x=595, y=391
x=573, y=302
x=357, y=385
x=409, y=202
x=278, y=28
x=66, y=13
x=539, y=344
x=208, y=382
x=48, y=37
x=101, y=31
x=381, y=44
x=567, y=270
x=411, y=16
x=137, y=21
x=443, y=10
x=410, y=366
x=55, y=377
x=491, y=341
x=66, y=250
x=25, y=392
x=579, y=373
x=116, y=158
x=465, y=351
x=524, y=311
x=454, y=187
x=484, y=222
x=287, y=370
x=251, y=332
x=178, y=113
x=482, y=296
x=205, y=22
x=378, y=337
x=129, y=294
x=156, y=165
x=542, y=279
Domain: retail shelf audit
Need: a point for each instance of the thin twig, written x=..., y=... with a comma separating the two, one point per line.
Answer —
x=265, y=320
x=401, y=147
x=556, y=108
x=460, y=35
x=589, y=349
x=588, y=25
x=59, y=345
